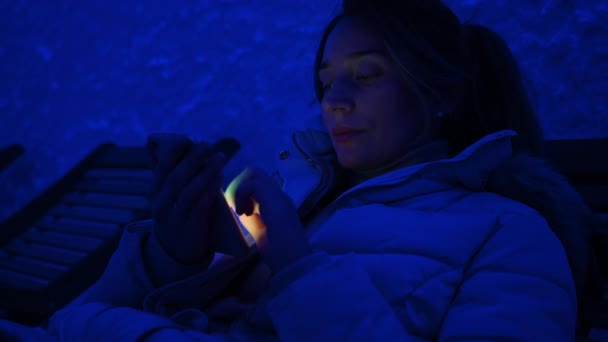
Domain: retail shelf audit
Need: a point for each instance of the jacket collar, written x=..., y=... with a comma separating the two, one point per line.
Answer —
x=312, y=171
x=470, y=168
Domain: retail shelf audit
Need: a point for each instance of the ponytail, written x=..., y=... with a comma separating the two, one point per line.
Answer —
x=496, y=96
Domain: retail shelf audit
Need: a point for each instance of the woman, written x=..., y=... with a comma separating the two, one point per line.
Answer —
x=391, y=222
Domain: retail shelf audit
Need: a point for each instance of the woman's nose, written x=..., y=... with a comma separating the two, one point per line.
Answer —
x=337, y=103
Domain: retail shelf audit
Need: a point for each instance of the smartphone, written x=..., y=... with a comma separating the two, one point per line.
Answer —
x=226, y=236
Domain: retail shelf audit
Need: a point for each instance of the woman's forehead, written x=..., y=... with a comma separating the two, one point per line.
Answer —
x=350, y=38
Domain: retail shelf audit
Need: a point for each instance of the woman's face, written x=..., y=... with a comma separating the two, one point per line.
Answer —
x=367, y=107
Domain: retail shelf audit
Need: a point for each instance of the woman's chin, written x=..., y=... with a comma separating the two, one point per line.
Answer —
x=350, y=161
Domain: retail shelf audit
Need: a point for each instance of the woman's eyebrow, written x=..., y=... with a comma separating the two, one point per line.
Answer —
x=356, y=55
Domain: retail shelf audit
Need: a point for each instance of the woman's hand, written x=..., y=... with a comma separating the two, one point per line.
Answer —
x=271, y=217
x=185, y=184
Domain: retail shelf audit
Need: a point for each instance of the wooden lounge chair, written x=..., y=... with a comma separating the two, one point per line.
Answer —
x=59, y=244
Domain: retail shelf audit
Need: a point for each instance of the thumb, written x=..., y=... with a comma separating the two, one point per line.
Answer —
x=249, y=192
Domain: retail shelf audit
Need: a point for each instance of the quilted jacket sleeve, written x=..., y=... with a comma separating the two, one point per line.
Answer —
x=109, y=309
x=126, y=279
x=515, y=289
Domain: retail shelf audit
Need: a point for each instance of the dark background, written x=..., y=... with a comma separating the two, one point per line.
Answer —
x=74, y=74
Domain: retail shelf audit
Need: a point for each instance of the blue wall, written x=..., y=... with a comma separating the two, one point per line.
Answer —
x=74, y=74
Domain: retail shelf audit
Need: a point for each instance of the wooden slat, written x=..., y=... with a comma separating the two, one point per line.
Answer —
x=144, y=175
x=33, y=267
x=44, y=252
x=78, y=227
x=106, y=200
x=21, y=281
x=67, y=241
x=124, y=157
x=115, y=187
x=94, y=214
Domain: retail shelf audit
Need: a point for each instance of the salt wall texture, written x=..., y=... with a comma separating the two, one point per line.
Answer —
x=74, y=74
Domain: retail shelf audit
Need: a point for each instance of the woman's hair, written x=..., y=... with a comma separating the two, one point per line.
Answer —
x=470, y=70
x=467, y=69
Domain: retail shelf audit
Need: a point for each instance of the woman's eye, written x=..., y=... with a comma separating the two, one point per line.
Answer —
x=367, y=77
x=362, y=77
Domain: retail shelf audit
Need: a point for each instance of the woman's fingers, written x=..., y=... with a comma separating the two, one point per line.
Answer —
x=207, y=180
x=168, y=150
x=180, y=177
x=199, y=214
x=250, y=193
x=244, y=195
x=254, y=188
x=272, y=219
